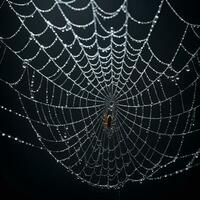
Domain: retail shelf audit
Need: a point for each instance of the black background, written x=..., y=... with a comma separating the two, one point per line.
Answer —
x=28, y=173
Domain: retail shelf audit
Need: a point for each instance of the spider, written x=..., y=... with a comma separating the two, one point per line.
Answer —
x=109, y=119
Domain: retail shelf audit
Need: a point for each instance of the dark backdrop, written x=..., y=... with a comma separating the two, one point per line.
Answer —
x=28, y=173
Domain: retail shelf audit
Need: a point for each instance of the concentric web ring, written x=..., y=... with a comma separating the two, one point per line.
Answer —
x=82, y=66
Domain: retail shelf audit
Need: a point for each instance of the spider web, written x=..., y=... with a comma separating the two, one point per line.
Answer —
x=78, y=62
